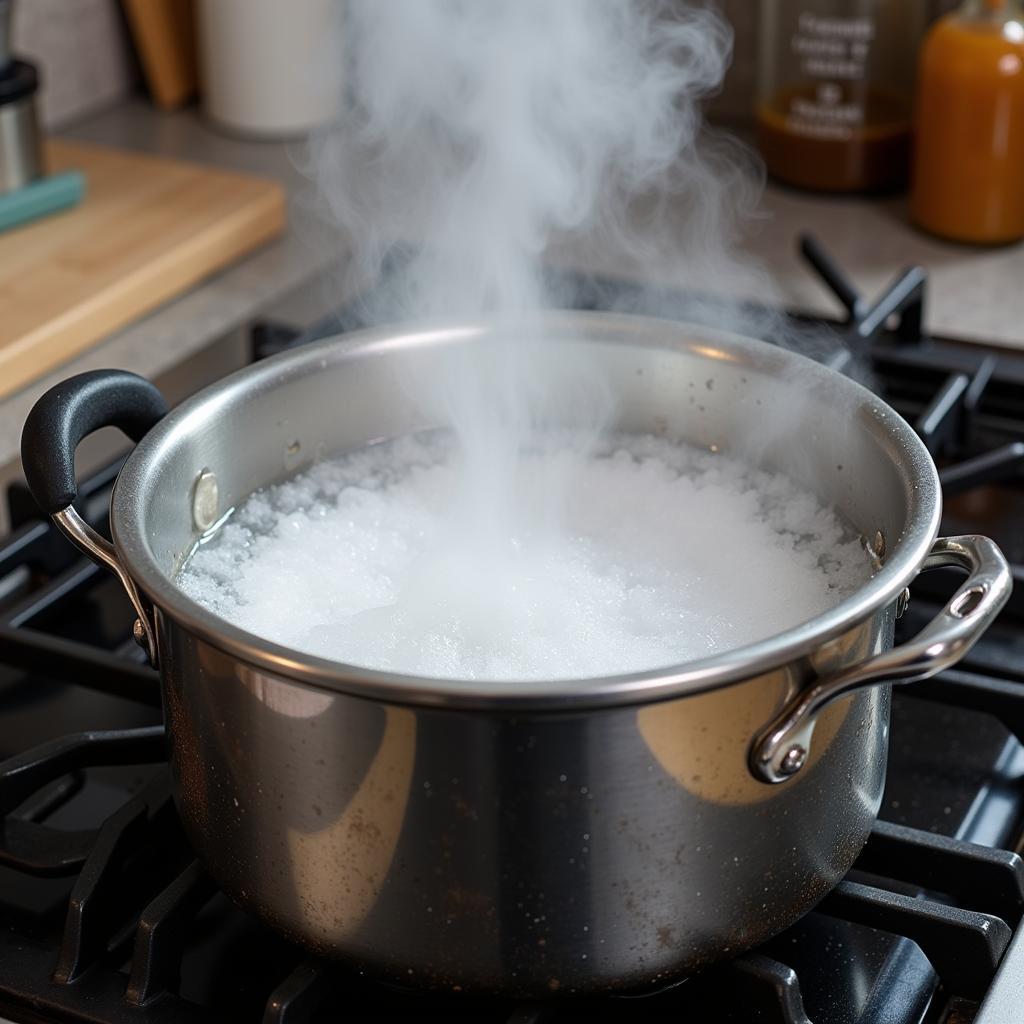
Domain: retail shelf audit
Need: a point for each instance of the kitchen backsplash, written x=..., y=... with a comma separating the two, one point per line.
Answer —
x=83, y=49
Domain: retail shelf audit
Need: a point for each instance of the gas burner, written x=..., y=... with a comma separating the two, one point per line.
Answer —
x=107, y=916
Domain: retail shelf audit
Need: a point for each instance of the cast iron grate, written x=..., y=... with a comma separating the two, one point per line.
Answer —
x=46, y=578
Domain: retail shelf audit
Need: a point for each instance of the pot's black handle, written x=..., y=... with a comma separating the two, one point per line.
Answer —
x=57, y=423
x=70, y=411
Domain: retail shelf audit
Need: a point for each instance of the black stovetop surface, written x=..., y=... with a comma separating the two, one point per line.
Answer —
x=106, y=917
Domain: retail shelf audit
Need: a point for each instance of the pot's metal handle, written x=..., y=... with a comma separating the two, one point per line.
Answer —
x=58, y=422
x=781, y=750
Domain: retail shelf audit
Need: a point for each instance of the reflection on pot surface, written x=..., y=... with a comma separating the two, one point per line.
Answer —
x=360, y=844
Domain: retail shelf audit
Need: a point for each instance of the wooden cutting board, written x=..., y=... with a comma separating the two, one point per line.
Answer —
x=148, y=229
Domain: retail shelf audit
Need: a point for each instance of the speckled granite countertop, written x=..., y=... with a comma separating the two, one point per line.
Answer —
x=974, y=293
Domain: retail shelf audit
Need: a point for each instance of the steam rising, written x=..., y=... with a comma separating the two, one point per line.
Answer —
x=489, y=134
x=487, y=131
x=540, y=544
x=491, y=125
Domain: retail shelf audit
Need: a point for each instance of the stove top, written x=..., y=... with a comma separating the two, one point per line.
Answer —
x=105, y=915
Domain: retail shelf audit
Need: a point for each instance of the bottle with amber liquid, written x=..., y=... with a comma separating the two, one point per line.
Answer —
x=835, y=89
x=968, y=168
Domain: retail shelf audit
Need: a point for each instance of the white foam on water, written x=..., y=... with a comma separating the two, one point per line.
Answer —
x=657, y=553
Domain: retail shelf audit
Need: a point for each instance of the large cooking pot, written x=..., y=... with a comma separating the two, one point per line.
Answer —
x=604, y=834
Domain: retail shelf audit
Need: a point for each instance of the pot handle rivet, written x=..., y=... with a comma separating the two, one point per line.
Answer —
x=139, y=634
x=205, y=500
x=782, y=749
x=794, y=759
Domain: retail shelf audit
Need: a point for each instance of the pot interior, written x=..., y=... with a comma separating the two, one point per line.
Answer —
x=777, y=410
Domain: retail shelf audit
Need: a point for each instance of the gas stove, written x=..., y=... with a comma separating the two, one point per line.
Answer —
x=106, y=916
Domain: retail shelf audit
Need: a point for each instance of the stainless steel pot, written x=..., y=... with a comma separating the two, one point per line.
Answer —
x=591, y=835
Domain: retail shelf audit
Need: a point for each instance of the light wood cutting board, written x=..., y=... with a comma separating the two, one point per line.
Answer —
x=148, y=229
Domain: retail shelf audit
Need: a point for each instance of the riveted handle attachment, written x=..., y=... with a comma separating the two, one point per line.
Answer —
x=782, y=749
x=57, y=423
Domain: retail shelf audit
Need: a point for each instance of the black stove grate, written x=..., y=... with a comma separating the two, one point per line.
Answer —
x=105, y=916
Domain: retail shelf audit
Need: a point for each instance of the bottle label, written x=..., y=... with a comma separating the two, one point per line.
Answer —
x=833, y=52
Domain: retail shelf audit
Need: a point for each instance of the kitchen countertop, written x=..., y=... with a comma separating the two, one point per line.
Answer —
x=974, y=293
x=222, y=303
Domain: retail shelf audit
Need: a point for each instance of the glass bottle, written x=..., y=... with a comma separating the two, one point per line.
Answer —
x=834, y=93
x=968, y=180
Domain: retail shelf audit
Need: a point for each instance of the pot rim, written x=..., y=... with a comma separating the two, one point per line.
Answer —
x=902, y=563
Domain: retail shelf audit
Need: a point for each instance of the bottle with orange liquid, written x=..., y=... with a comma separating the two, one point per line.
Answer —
x=836, y=81
x=968, y=177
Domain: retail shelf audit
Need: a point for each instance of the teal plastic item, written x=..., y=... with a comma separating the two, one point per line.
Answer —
x=41, y=198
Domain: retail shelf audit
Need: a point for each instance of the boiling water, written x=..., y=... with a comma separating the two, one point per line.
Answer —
x=654, y=553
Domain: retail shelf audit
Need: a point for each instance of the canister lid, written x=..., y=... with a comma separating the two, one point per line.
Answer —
x=18, y=80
